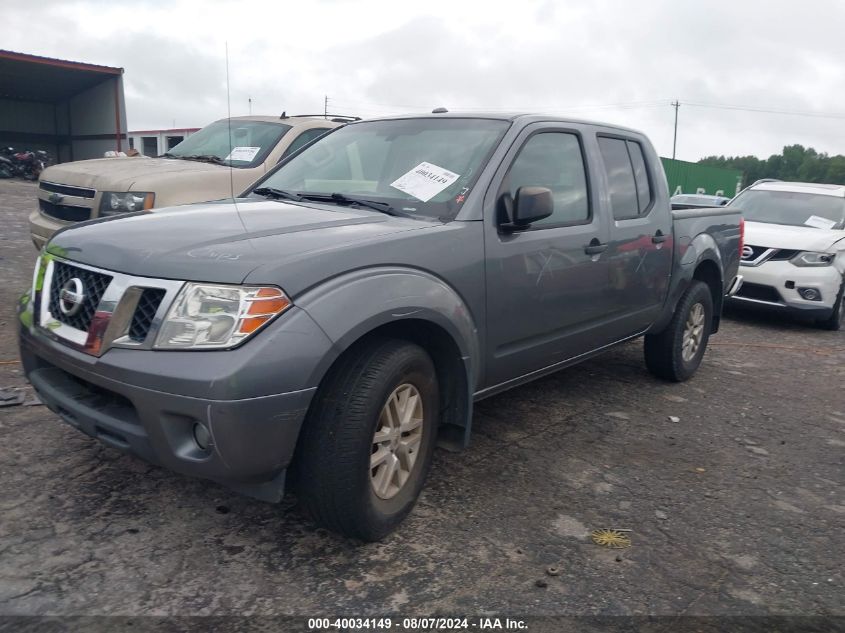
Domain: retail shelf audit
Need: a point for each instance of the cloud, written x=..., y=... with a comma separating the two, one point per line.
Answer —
x=375, y=57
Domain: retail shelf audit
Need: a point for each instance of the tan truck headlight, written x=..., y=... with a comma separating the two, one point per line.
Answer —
x=219, y=316
x=117, y=202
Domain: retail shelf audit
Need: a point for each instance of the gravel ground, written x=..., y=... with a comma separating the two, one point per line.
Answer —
x=735, y=508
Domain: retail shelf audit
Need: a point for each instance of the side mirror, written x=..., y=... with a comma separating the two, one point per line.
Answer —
x=531, y=204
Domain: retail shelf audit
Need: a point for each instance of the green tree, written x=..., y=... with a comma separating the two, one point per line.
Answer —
x=795, y=162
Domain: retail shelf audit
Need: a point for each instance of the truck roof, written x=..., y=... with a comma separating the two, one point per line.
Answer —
x=526, y=117
x=288, y=120
x=837, y=191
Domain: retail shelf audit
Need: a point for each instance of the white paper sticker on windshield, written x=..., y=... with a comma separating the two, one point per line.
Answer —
x=243, y=153
x=819, y=223
x=425, y=181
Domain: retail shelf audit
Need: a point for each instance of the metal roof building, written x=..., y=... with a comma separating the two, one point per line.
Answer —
x=71, y=109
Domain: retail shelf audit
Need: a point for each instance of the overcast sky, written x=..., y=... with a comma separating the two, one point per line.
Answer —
x=620, y=61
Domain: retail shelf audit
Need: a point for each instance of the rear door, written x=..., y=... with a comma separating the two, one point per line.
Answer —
x=640, y=251
x=547, y=285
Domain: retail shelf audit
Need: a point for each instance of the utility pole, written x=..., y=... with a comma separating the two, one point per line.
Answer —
x=326, y=107
x=675, y=104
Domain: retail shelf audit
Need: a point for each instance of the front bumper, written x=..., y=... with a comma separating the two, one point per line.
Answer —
x=776, y=285
x=252, y=438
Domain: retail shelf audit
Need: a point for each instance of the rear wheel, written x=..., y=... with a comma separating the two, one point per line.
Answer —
x=368, y=440
x=836, y=321
x=676, y=352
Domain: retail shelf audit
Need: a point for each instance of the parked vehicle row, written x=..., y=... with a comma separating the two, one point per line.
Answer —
x=334, y=322
x=223, y=158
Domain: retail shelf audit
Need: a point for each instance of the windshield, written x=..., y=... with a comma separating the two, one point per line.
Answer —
x=791, y=208
x=416, y=166
x=251, y=141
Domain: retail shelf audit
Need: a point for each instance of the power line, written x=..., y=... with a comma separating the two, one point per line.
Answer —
x=625, y=105
x=373, y=105
x=807, y=113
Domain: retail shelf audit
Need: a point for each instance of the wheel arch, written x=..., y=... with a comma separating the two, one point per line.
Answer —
x=701, y=261
x=709, y=272
x=405, y=304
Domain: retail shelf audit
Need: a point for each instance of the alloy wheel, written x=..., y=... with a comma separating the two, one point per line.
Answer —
x=396, y=442
x=693, y=332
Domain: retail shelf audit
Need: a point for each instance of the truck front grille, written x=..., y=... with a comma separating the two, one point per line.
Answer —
x=67, y=190
x=142, y=319
x=759, y=292
x=756, y=255
x=66, y=212
x=751, y=253
x=102, y=308
x=94, y=284
x=783, y=254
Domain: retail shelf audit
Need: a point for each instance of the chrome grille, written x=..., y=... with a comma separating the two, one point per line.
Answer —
x=115, y=310
x=145, y=311
x=751, y=253
x=784, y=253
x=94, y=284
x=66, y=212
x=67, y=190
x=756, y=255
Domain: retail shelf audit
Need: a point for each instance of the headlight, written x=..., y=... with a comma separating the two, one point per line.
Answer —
x=809, y=258
x=217, y=317
x=116, y=202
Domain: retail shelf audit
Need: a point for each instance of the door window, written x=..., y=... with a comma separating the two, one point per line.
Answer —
x=553, y=160
x=303, y=139
x=627, y=177
x=644, y=197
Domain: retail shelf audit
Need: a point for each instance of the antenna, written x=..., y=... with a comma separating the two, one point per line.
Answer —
x=250, y=106
x=229, y=122
x=326, y=107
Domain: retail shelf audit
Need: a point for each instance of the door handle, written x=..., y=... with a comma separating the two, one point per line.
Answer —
x=658, y=238
x=595, y=247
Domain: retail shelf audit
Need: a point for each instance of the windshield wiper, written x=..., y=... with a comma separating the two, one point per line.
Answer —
x=272, y=192
x=381, y=207
x=167, y=155
x=205, y=158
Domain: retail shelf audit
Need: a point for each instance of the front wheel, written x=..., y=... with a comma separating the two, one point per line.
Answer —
x=368, y=440
x=676, y=352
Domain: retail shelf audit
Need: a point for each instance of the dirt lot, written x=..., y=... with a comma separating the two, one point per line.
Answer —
x=737, y=508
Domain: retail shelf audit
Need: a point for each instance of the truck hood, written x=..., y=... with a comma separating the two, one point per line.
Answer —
x=801, y=238
x=120, y=174
x=221, y=242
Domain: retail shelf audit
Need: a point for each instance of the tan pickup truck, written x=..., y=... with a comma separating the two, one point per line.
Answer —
x=196, y=170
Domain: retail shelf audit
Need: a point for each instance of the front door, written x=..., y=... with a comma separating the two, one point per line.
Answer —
x=546, y=285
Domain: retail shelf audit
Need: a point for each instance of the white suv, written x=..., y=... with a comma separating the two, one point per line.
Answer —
x=794, y=254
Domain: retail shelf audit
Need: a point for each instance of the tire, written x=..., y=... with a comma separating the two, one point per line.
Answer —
x=333, y=476
x=836, y=321
x=665, y=354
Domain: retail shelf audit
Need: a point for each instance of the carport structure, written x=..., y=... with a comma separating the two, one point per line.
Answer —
x=73, y=110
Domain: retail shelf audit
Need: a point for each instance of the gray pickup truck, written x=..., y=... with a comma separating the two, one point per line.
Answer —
x=333, y=323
